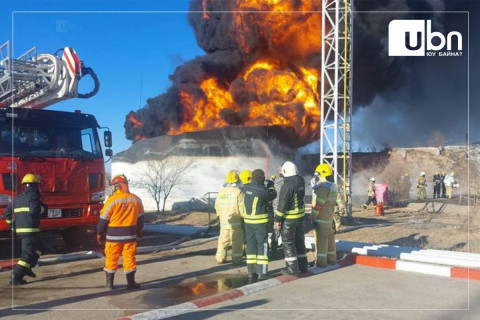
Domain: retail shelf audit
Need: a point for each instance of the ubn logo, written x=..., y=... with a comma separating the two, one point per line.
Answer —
x=414, y=38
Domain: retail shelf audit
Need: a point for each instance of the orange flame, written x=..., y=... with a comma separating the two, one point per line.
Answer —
x=278, y=90
x=136, y=123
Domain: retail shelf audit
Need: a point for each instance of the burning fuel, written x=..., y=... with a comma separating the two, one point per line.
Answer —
x=261, y=68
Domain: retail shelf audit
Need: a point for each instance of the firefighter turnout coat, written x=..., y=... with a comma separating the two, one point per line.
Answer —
x=255, y=216
x=291, y=213
x=326, y=195
x=228, y=206
x=121, y=219
x=23, y=215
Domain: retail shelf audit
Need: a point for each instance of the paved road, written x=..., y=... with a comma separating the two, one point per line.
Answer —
x=75, y=290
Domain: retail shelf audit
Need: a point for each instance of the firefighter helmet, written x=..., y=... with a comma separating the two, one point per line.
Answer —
x=324, y=169
x=289, y=169
x=31, y=178
x=119, y=179
x=246, y=176
x=372, y=179
x=232, y=177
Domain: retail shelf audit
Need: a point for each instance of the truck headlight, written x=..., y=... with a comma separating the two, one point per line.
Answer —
x=5, y=199
x=98, y=196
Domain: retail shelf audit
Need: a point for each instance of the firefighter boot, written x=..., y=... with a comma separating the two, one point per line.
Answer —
x=292, y=268
x=16, y=280
x=109, y=280
x=131, y=284
x=252, y=277
x=29, y=272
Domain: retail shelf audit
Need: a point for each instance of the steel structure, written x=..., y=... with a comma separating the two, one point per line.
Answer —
x=38, y=80
x=336, y=101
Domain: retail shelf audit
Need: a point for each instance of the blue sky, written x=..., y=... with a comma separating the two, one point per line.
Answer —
x=131, y=53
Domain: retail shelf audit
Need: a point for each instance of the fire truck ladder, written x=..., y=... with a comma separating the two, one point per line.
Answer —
x=38, y=80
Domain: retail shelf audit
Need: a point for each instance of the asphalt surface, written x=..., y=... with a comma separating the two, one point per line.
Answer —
x=74, y=290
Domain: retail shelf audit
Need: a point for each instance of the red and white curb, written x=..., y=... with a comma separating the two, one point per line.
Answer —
x=419, y=267
x=232, y=294
x=438, y=270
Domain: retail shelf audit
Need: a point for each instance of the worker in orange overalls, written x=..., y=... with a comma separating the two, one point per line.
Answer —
x=121, y=221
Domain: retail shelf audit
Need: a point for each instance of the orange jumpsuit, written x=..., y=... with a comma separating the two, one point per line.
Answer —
x=120, y=220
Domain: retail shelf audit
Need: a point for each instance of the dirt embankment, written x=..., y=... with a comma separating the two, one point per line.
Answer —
x=419, y=227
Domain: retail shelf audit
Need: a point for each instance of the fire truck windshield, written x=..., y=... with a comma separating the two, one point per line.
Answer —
x=49, y=141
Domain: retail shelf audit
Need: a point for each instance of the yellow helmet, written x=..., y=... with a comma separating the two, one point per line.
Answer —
x=31, y=178
x=246, y=176
x=232, y=177
x=324, y=169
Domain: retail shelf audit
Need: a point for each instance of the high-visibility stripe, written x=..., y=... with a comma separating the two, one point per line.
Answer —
x=21, y=209
x=254, y=206
x=251, y=256
x=302, y=255
x=290, y=258
x=295, y=216
x=280, y=214
x=237, y=254
x=109, y=271
x=331, y=252
x=262, y=262
x=251, y=261
x=9, y=221
x=121, y=237
x=322, y=255
x=23, y=263
x=255, y=221
x=27, y=230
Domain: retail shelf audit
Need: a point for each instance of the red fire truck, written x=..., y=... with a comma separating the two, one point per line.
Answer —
x=62, y=147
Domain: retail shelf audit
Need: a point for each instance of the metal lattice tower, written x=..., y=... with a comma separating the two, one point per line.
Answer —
x=336, y=106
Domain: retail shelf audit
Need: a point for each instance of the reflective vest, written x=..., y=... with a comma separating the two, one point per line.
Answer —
x=121, y=217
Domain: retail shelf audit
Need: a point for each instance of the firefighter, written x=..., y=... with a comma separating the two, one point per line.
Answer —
x=289, y=219
x=228, y=206
x=326, y=196
x=442, y=182
x=370, y=193
x=120, y=223
x=23, y=216
x=339, y=207
x=255, y=217
x=450, y=183
x=437, y=184
x=422, y=186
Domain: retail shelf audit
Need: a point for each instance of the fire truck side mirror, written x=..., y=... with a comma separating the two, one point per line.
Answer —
x=107, y=138
x=109, y=152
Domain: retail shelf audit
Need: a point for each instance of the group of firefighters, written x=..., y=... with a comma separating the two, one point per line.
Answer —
x=443, y=185
x=246, y=215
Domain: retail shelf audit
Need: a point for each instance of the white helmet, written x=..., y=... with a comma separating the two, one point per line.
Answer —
x=289, y=169
x=422, y=173
x=372, y=179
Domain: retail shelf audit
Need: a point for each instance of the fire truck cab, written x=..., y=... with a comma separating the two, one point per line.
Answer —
x=62, y=147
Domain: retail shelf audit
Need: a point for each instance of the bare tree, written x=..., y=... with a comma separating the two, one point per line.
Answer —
x=161, y=176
